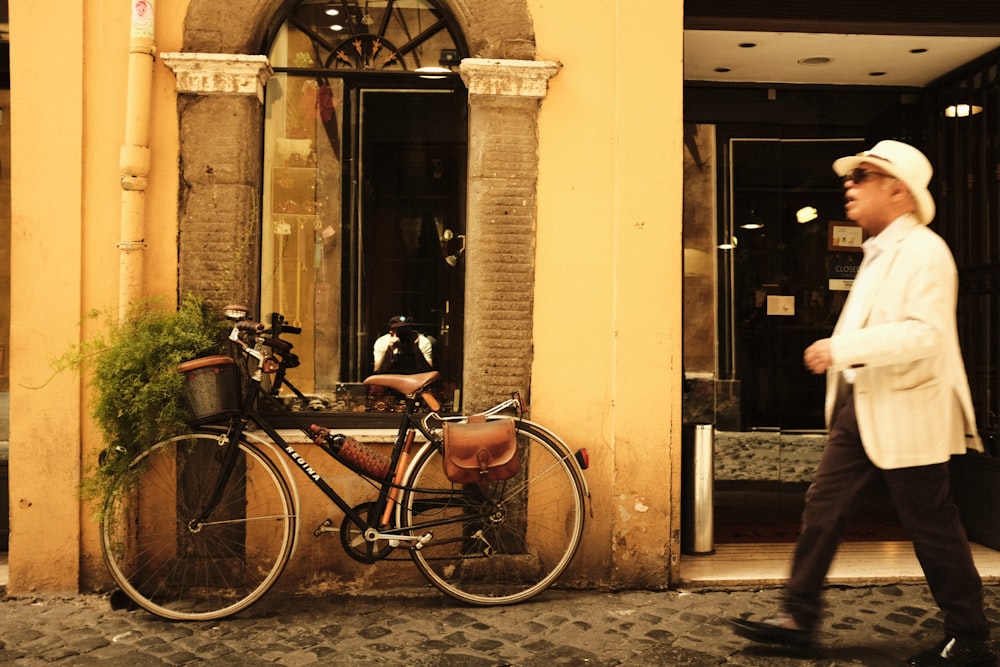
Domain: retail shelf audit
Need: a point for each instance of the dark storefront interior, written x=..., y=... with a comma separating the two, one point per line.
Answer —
x=774, y=146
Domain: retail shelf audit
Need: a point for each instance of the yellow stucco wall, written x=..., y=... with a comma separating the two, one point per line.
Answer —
x=607, y=337
x=66, y=201
x=607, y=363
x=46, y=261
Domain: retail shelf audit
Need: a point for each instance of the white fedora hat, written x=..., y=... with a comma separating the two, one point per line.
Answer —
x=902, y=161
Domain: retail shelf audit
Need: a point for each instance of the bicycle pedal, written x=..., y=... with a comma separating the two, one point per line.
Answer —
x=326, y=527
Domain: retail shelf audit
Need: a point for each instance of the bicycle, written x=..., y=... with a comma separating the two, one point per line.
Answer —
x=201, y=525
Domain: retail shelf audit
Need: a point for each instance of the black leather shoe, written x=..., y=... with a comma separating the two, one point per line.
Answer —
x=954, y=651
x=769, y=631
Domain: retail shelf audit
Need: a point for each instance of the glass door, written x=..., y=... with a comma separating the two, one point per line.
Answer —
x=790, y=256
x=790, y=272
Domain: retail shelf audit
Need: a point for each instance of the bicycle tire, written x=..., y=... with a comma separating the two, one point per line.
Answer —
x=217, y=569
x=504, y=543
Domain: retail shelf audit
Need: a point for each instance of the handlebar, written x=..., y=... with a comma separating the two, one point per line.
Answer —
x=245, y=335
x=250, y=327
x=252, y=337
x=248, y=330
x=279, y=326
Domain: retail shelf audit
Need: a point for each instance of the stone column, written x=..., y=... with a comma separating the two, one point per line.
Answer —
x=220, y=96
x=504, y=100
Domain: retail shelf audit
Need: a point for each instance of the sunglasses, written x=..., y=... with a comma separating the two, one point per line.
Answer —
x=859, y=175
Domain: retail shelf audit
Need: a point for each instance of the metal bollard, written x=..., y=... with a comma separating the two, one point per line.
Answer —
x=697, y=490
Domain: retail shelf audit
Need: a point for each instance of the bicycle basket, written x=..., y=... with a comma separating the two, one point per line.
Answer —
x=211, y=389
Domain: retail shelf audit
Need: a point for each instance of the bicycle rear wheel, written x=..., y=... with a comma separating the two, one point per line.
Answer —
x=182, y=571
x=502, y=543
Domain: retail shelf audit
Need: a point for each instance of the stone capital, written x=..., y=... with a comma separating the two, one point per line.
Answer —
x=513, y=78
x=213, y=73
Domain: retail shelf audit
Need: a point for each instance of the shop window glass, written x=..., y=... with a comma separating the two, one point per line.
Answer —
x=365, y=148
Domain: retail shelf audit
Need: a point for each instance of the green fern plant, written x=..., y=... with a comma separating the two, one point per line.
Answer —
x=138, y=390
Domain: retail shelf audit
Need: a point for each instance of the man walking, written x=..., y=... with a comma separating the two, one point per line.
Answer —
x=897, y=407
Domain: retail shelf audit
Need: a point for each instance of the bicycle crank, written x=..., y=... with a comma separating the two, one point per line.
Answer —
x=354, y=540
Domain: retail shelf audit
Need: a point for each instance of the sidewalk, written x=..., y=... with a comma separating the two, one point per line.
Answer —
x=873, y=626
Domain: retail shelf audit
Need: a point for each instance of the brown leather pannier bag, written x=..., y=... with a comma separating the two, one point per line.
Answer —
x=480, y=451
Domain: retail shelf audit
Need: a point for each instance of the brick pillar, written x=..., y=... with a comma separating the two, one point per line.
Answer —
x=219, y=97
x=504, y=100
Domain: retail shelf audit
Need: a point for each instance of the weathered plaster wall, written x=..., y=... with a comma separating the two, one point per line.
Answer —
x=66, y=210
x=46, y=265
x=600, y=341
x=607, y=344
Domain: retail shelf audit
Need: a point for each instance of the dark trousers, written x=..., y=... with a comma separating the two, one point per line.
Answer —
x=922, y=497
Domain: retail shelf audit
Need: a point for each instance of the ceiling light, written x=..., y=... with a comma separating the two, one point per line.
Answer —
x=336, y=27
x=806, y=214
x=432, y=72
x=728, y=246
x=753, y=221
x=816, y=60
x=962, y=110
x=332, y=12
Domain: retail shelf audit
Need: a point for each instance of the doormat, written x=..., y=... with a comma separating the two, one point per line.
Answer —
x=789, y=532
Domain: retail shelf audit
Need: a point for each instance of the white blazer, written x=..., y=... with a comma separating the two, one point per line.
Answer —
x=911, y=393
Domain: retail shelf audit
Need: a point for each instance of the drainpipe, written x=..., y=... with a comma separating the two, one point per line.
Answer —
x=133, y=160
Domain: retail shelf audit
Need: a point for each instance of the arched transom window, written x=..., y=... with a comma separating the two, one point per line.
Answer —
x=376, y=36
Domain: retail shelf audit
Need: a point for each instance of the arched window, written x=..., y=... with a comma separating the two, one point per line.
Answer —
x=365, y=152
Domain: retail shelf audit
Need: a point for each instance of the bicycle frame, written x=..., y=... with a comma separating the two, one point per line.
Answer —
x=385, y=522
x=377, y=526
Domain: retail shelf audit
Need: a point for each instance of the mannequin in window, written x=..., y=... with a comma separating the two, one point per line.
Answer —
x=404, y=349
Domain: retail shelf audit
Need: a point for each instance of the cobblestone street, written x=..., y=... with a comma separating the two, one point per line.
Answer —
x=873, y=626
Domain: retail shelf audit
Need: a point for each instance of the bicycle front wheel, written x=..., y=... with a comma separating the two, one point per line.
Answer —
x=182, y=570
x=504, y=542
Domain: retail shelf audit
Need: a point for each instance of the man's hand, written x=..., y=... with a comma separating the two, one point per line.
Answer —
x=817, y=356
